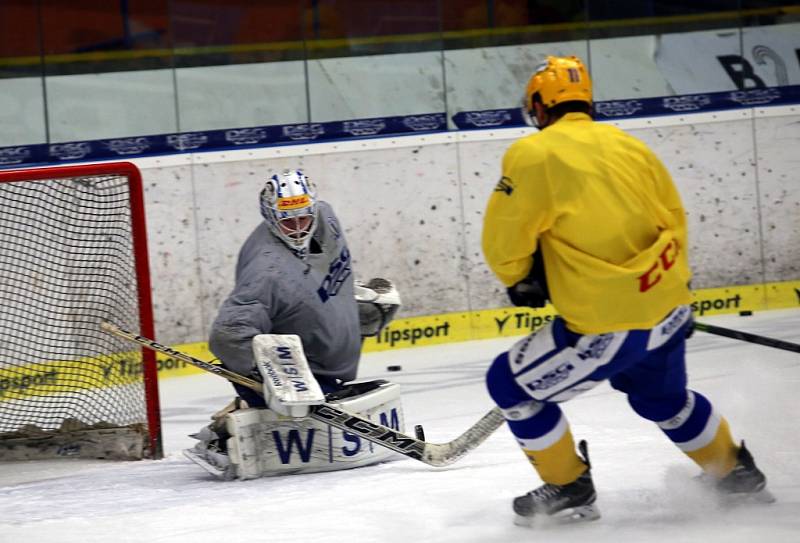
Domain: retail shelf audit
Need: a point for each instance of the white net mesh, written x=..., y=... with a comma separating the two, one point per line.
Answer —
x=66, y=265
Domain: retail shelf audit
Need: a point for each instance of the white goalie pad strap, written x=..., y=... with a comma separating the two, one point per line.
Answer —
x=289, y=385
x=263, y=443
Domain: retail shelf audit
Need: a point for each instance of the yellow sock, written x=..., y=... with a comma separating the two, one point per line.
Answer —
x=558, y=464
x=718, y=457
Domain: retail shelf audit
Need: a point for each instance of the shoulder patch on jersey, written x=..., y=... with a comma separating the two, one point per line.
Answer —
x=505, y=185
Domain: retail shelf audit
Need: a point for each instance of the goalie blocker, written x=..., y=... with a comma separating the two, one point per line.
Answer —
x=289, y=386
x=251, y=443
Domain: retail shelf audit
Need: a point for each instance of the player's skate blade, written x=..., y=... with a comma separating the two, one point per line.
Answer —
x=216, y=468
x=762, y=496
x=583, y=513
x=745, y=483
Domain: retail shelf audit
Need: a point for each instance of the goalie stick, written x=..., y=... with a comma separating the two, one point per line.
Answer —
x=433, y=454
x=746, y=336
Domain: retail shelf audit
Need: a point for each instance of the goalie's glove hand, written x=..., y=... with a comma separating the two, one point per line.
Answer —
x=378, y=301
x=527, y=293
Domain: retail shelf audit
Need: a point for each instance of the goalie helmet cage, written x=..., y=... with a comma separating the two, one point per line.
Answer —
x=73, y=254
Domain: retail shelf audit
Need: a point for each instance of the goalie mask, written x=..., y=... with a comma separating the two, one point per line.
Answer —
x=289, y=205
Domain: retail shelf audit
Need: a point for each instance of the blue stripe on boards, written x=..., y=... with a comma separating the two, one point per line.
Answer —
x=136, y=146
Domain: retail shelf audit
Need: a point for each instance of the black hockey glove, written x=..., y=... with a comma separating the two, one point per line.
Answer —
x=378, y=301
x=531, y=291
x=527, y=293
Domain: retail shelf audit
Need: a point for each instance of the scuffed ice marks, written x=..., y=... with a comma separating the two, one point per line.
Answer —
x=146, y=486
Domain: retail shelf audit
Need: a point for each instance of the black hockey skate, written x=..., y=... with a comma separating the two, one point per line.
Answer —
x=570, y=502
x=745, y=482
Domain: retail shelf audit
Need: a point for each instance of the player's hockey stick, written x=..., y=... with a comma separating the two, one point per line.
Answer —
x=746, y=336
x=433, y=454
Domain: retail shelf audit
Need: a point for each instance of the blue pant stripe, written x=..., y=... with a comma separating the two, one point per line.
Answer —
x=537, y=426
x=694, y=424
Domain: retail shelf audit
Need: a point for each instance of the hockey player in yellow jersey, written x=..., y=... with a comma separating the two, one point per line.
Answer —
x=586, y=216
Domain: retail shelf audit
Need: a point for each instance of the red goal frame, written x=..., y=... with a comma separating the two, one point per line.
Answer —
x=142, y=265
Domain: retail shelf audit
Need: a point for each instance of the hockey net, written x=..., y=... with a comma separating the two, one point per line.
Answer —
x=73, y=254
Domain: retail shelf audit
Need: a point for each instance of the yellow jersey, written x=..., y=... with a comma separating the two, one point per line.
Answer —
x=606, y=217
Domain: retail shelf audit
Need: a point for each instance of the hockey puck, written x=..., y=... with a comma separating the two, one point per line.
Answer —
x=419, y=432
x=745, y=313
x=394, y=368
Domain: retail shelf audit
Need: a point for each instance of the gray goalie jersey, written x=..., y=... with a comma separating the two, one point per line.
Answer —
x=277, y=292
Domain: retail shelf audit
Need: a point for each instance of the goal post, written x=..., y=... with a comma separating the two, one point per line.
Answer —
x=73, y=254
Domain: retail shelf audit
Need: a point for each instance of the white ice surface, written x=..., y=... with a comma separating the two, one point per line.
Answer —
x=645, y=486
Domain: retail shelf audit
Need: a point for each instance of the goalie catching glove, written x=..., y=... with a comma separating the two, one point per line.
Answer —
x=290, y=388
x=378, y=301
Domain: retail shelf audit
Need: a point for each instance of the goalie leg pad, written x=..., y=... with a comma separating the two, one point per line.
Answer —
x=262, y=443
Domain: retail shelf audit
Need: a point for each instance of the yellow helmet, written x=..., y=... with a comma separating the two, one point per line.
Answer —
x=559, y=79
